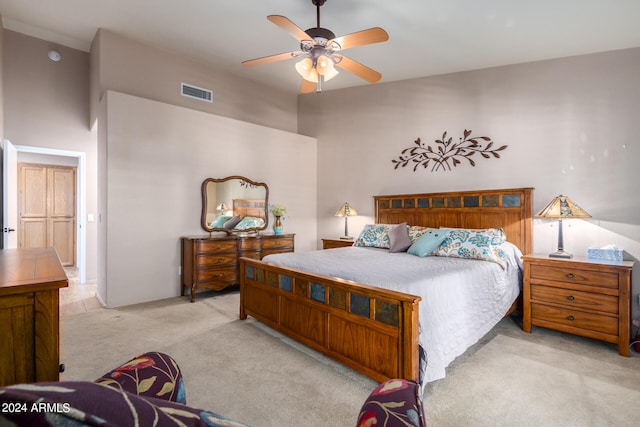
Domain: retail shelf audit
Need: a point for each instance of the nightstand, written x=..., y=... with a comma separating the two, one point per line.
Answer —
x=579, y=297
x=336, y=243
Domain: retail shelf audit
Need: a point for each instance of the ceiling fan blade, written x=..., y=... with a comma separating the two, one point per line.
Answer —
x=361, y=38
x=286, y=24
x=267, y=59
x=359, y=70
x=307, y=86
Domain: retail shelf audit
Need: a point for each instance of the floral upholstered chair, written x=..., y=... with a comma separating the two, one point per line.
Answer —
x=147, y=390
x=394, y=403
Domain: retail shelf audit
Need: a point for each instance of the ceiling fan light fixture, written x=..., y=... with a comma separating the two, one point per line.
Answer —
x=325, y=67
x=306, y=69
x=318, y=50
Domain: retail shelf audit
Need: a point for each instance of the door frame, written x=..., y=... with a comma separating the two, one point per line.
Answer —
x=81, y=234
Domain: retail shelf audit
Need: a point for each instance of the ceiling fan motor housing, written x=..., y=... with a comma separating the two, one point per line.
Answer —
x=320, y=33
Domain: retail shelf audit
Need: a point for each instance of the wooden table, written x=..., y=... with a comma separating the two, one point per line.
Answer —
x=29, y=315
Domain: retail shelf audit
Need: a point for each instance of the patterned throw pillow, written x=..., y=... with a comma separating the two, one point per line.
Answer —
x=474, y=244
x=415, y=231
x=375, y=236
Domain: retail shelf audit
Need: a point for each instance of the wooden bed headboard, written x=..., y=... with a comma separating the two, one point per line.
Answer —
x=509, y=209
x=249, y=207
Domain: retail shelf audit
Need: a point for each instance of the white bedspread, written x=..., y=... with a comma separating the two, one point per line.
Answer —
x=461, y=299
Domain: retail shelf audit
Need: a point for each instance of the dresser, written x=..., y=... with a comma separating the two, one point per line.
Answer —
x=579, y=297
x=336, y=243
x=29, y=315
x=211, y=262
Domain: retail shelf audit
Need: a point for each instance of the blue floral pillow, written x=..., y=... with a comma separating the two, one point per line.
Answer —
x=474, y=244
x=415, y=231
x=374, y=235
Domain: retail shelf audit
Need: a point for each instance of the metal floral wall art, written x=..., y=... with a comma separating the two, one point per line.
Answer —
x=446, y=153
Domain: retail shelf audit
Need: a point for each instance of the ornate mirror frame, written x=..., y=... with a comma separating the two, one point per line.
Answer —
x=243, y=201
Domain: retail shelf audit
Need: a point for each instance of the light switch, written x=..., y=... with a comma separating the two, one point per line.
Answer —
x=89, y=217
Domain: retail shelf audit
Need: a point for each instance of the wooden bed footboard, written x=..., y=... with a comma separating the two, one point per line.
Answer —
x=372, y=330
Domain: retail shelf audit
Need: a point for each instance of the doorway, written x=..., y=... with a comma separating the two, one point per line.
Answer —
x=79, y=159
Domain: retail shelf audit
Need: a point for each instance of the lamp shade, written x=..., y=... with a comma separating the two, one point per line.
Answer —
x=325, y=67
x=306, y=69
x=346, y=210
x=222, y=207
x=310, y=68
x=562, y=207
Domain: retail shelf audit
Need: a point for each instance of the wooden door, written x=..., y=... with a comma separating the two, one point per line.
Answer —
x=47, y=206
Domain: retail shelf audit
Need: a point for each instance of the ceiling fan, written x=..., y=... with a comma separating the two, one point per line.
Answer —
x=319, y=49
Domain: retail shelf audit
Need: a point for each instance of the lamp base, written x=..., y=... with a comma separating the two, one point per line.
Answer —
x=561, y=254
x=346, y=238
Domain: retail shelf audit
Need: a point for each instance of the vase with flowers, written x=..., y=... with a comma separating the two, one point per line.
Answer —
x=278, y=212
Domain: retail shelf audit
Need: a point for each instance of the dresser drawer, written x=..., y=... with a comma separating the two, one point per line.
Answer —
x=574, y=275
x=575, y=299
x=252, y=255
x=203, y=246
x=249, y=244
x=575, y=318
x=277, y=242
x=215, y=260
x=225, y=275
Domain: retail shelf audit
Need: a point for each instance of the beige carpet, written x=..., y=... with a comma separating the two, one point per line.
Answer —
x=250, y=373
x=545, y=378
x=240, y=369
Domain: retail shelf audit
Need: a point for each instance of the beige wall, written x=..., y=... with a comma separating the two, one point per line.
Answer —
x=153, y=159
x=122, y=65
x=45, y=105
x=571, y=127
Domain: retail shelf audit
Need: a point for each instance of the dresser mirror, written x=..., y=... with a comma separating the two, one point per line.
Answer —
x=234, y=204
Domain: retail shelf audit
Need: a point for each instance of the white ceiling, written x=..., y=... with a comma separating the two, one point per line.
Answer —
x=426, y=37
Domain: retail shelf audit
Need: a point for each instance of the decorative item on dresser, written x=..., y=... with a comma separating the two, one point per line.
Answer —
x=278, y=212
x=336, y=243
x=248, y=200
x=211, y=262
x=29, y=315
x=579, y=297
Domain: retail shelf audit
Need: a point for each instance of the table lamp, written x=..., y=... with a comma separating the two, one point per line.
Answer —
x=562, y=207
x=346, y=211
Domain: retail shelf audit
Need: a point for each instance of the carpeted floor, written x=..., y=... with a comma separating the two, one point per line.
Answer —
x=250, y=373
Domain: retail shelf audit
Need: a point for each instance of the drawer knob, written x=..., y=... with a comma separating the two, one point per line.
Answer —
x=570, y=318
x=570, y=276
x=570, y=297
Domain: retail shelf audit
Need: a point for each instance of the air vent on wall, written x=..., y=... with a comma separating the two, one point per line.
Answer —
x=195, y=92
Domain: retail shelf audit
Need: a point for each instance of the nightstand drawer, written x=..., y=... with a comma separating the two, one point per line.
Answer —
x=574, y=275
x=277, y=242
x=575, y=318
x=572, y=298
